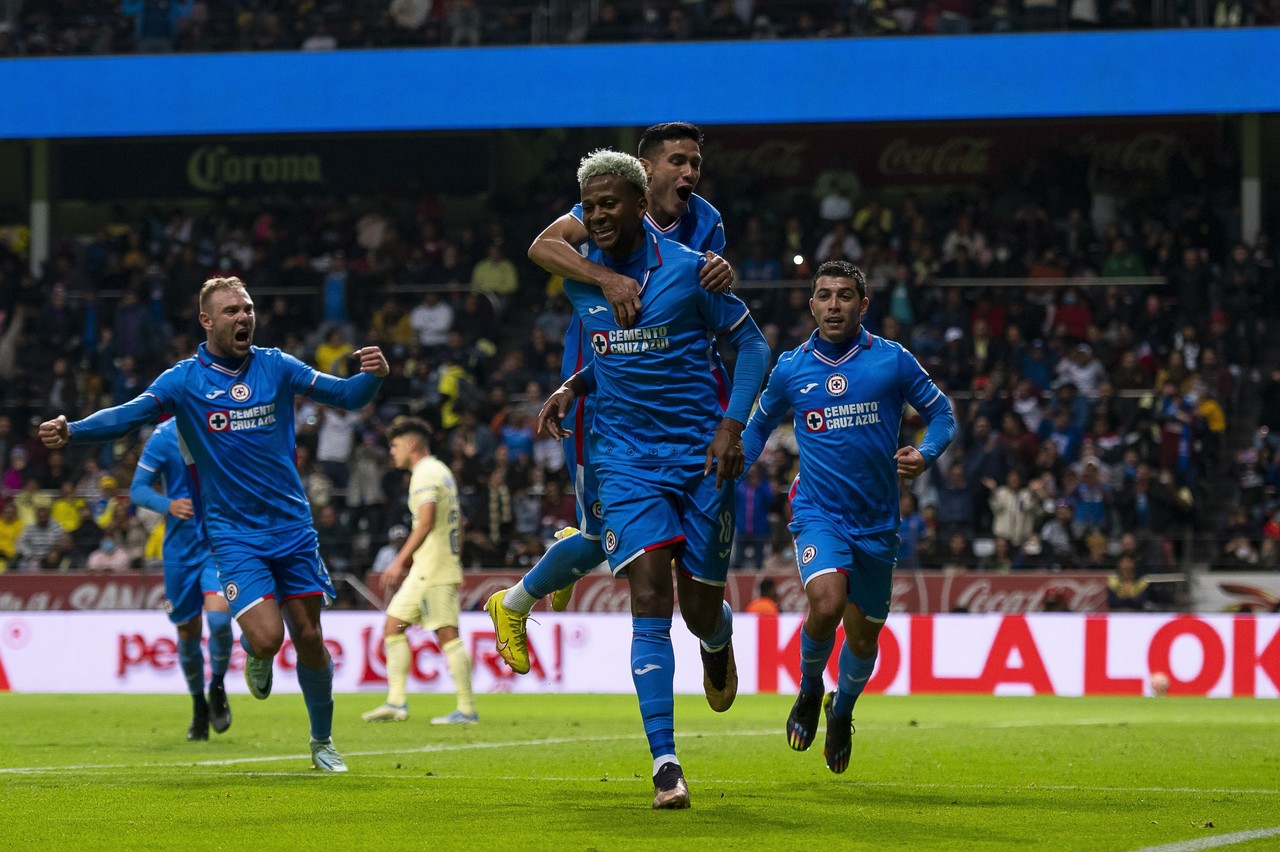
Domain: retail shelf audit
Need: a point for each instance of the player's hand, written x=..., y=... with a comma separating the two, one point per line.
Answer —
x=372, y=361
x=716, y=275
x=623, y=295
x=726, y=453
x=182, y=508
x=553, y=411
x=390, y=578
x=910, y=463
x=54, y=433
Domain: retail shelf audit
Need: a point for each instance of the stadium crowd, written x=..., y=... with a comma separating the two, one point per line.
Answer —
x=74, y=27
x=1096, y=410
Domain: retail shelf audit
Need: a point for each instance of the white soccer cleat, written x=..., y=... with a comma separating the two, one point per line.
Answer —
x=387, y=712
x=325, y=757
x=457, y=717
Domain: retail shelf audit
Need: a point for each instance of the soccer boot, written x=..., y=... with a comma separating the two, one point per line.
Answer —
x=839, y=737
x=802, y=724
x=719, y=677
x=199, y=730
x=257, y=675
x=387, y=712
x=219, y=709
x=509, y=627
x=561, y=597
x=325, y=757
x=457, y=717
x=670, y=792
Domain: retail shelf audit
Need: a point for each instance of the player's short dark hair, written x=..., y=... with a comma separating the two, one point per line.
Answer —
x=767, y=587
x=841, y=269
x=652, y=140
x=414, y=426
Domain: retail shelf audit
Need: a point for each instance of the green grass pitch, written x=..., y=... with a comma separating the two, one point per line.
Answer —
x=572, y=772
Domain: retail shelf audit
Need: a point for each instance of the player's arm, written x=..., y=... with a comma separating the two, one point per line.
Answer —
x=748, y=375
x=142, y=492
x=716, y=275
x=350, y=393
x=556, y=408
x=105, y=425
x=556, y=251
x=404, y=558
x=768, y=414
x=933, y=405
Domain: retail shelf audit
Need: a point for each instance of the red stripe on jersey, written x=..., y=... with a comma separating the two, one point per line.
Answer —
x=668, y=543
x=303, y=595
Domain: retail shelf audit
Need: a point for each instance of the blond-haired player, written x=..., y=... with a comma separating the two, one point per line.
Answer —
x=428, y=595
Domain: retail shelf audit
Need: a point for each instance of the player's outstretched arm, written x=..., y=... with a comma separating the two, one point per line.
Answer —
x=716, y=275
x=556, y=408
x=106, y=425
x=556, y=251
x=351, y=393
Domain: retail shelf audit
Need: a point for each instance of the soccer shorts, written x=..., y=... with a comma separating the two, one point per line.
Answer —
x=823, y=547
x=284, y=565
x=429, y=607
x=185, y=587
x=586, y=487
x=675, y=506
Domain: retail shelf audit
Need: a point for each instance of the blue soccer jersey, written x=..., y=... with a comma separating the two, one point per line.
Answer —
x=235, y=425
x=847, y=403
x=184, y=539
x=659, y=391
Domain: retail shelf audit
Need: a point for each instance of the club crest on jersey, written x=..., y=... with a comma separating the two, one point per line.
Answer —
x=814, y=421
x=836, y=384
x=610, y=541
x=807, y=555
x=218, y=421
x=240, y=392
x=597, y=509
x=233, y=592
x=600, y=342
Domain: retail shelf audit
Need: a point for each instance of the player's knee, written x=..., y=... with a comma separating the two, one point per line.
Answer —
x=862, y=646
x=827, y=609
x=265, y=641
x=650, y=603
x=701, y=624
x=307, y=638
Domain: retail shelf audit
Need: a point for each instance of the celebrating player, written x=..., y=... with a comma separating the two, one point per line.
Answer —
x=233, y=403
x=429, y=597
x=671, y=154
x=190, y=577
x=662, y=424
x=847, y=389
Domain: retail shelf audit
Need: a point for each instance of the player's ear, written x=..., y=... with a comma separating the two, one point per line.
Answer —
x=866, y=303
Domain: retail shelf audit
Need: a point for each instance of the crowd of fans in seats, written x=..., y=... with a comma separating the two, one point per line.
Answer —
x=1099, y=411
x=87, y=27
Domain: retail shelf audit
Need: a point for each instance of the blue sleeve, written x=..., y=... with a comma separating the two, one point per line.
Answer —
x=748, y=370
x=717, y=241
x=931, y=402
x=142, y=491
x=768, y=414
x=118, y=421
x=350, y=394
x=588, y=375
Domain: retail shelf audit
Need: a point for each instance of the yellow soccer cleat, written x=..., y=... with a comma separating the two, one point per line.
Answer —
x=509, y=626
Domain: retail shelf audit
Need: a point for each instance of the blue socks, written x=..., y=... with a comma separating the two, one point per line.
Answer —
x=317, y=693
x=192, y=660
x=854, y=674
x=653, y=669
x=814, y=655
x=219, y=645
x=723, y=632
x=564, y=562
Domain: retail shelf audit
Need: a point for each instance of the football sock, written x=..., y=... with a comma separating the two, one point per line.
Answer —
x=564, y=563
x=662, y=760
x=192, y=660
x=317, y=693
x=396, y=646
x=244, y=643
x=814, y=655
x=653, y=665
x=219, y=644
x=855, y=671
x=455, y=653
x=724, y=630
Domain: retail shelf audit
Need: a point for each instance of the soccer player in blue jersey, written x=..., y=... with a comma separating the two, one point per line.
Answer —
x=190, y=577
x=671, y=154
x=233, y=403
x=847, y=389
x=663, y=422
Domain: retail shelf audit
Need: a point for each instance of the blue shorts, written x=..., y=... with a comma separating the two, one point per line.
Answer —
x=287, y=565
x=586, y=487
x=646, y=508
x=185, y=587
x=823, y=547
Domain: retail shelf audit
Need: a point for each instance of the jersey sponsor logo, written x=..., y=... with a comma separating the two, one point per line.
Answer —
x=851, y=414
x=808, y=387
x=630, y=340
x=814, y=421
x=610, y=541
x=596, y=309
x=240, y=392
x=837, y=384
x=233, y=592
x=214, y=394
x=218, y=421
x=254, y=417
x=600, y=342
x=807, y=555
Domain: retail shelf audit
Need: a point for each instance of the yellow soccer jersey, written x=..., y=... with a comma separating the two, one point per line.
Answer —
x=437, y=558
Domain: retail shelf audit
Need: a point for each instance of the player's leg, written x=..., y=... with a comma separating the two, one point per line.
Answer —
x=315, y=677
x=395, y=646
x=261, y=635
x=182, y=602
x=707, y=521
x=443, y=618
x=218, y=616
x=250, y=589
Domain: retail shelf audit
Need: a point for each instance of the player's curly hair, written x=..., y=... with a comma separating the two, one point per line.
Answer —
x=841, y=269
x=213, y=285
x=607, y=162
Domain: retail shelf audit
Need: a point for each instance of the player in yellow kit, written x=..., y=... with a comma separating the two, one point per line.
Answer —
x=428, y=595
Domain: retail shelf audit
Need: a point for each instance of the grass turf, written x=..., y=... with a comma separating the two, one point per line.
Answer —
x=572, y=772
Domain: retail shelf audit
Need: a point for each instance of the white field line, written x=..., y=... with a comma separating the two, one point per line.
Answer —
x=1215, y=841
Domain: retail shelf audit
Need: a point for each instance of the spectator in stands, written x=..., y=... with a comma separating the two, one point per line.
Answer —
x=108, y=558
x=1014, y=508
x=10, y=530
x=1126, y=591
x=331, y=355
x=753, y=496
x=335, y=439
x=42, y=544
x=766, y=602
x=431, y=320
x=1082, y=369
x=335, y=538
x=396, y=537
x=496, y=274
x=1056, y=536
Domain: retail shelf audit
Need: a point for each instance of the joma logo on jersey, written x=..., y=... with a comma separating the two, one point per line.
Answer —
x=624, y=341
x=837, y=384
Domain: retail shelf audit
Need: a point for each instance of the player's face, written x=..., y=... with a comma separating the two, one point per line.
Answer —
x=673, y=175
x=613, y=211
x=229, y=323
x=401, y=449
x=837, y=308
